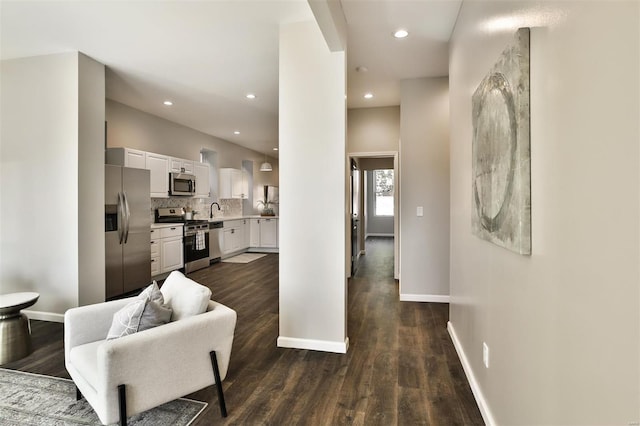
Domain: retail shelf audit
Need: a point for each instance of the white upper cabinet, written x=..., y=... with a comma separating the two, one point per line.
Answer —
x=158, y=165
x=233, y=184
x=201, y=172
x=178, y=165
x=126, y=157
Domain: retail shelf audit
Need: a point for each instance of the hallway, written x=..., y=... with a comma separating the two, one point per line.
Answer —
x=417, y=376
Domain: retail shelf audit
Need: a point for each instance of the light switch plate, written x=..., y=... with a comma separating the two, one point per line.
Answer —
x=419, y=211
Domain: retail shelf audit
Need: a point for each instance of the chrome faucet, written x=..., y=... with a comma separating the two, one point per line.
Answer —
x=211, y=209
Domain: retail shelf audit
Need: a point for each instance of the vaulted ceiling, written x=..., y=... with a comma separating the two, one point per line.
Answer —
x=207, y=56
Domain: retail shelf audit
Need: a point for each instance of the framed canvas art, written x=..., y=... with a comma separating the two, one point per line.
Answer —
x=501, y=170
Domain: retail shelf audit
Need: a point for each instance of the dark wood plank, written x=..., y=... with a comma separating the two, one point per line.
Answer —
x=401, y=367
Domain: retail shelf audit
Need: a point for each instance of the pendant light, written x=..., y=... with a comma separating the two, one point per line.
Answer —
x=266, y=166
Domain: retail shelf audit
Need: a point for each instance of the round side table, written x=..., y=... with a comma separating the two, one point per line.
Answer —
x=15, y=333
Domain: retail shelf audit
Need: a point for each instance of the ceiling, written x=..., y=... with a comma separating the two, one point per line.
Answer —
x=207, y=56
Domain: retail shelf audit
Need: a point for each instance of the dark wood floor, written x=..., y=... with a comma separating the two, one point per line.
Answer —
x=401, y=367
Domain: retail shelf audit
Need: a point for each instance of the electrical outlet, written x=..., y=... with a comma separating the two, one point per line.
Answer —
x=485, y=354
x=419, y=211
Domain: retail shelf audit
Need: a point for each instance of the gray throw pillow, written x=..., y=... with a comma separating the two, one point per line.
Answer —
x=154, y=314
x=146, y=312
x=127, y=320
x=153, y=293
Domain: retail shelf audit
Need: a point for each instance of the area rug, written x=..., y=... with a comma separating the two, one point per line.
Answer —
x=32, y=399
x=245, y=258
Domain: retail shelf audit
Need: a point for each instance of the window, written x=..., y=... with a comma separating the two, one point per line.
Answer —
x=383, y=192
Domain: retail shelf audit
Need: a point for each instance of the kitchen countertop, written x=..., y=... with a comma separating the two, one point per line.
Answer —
x=215, y=219
x=165, y=225
x=256, y=216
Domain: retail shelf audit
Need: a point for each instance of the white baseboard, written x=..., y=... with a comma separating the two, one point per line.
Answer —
x=44, y=316
x=314, y=345
x=434, y=298
x=471, y=378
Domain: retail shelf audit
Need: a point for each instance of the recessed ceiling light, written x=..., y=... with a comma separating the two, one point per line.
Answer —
x=368, y=95
x=401, y=34
x=251, y=96
x=237, y=132
x=168, y=103
x=275, y=149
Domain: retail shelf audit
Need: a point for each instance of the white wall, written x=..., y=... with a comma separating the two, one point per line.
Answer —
x=131, y=128
x=41, y=198
x=424, y=182
x=563, y=325
x=373, y=129
x=91, y=143
x=313, y=210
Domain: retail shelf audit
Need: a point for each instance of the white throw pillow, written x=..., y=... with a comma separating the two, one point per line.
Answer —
x=184, y=296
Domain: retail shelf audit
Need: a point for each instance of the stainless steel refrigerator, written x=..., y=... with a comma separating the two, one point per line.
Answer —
x=127, y=229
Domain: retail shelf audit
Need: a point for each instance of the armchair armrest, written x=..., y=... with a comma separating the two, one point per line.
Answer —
x=90, y=323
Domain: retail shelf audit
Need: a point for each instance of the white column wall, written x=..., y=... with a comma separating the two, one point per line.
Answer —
x=312, y=191
x=39, y=179
x=91, y=144
x=424, y=177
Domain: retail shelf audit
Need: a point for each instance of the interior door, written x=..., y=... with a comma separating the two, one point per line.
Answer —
x=355, y=219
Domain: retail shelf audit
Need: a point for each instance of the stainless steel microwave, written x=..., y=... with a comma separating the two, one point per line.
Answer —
x=182, y=184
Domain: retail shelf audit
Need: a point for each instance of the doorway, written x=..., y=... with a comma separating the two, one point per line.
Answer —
x=374, y=195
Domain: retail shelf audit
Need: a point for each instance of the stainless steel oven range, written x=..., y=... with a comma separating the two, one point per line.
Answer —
x=196, y=245
x=195, y=238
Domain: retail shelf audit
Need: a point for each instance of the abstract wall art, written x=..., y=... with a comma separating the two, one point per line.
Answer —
x=501, y=170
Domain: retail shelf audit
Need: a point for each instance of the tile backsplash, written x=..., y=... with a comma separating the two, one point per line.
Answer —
x=229, y=207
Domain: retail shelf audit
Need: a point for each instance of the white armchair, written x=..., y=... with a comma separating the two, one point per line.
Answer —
x=137, y=372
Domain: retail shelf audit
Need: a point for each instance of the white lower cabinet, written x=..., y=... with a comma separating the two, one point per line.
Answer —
x=246, y=233
x=232, y=236
x=155, y=252
x=166, y=250
x=264, y=233
x=254, y=231
x=171, y=257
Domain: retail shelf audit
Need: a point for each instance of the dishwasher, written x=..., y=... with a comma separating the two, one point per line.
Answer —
x=214, y=241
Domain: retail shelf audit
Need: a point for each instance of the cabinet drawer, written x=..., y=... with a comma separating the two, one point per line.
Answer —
x=155, y=248
x=174, y=231
x=233, y=223
x=155, y=265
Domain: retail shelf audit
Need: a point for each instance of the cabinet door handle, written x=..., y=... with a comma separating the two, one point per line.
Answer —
x=173, y=229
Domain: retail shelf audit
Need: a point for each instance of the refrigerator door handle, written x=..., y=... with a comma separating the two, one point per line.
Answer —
x=121, y=215
x=127, y=213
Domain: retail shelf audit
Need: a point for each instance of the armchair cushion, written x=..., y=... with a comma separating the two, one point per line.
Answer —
x=185, y=297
